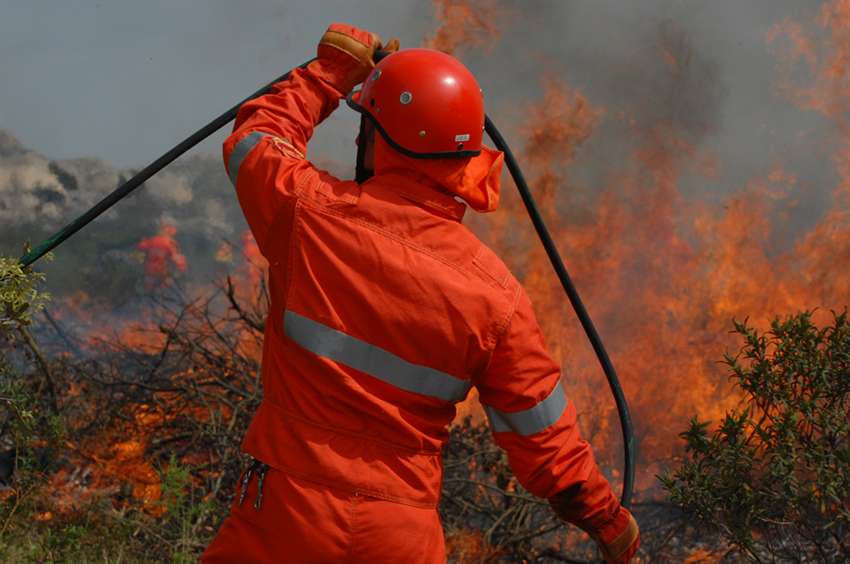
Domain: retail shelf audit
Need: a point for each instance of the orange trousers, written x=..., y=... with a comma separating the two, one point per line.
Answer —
x=301, y=522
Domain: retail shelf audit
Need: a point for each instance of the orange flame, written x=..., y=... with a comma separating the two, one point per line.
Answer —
x=225, y=253
x=821, y=52
x=253, y=264
x=162, y=252
x=464, y=25
x=663, y=275
x=467, y=547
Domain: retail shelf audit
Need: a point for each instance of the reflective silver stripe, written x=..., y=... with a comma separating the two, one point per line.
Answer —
x=540, y=417
x=374, y=361
x=241, y=150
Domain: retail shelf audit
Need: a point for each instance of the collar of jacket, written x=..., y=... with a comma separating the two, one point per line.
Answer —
x=476, y=180
x=416, y=187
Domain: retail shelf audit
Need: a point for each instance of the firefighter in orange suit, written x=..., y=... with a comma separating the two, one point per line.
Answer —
x=385, y=311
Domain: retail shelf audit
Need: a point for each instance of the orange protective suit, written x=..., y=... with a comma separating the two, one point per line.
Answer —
x=385, y=311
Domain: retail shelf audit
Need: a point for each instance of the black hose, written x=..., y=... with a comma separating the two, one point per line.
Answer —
x=522, y=186
x=578, y=306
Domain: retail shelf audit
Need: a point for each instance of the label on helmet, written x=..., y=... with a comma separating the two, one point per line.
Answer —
x=461, y=137
x=286, y=148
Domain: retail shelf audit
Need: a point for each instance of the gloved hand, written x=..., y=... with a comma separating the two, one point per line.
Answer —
x=619, y=549
x=352, y=50
x=618, y=540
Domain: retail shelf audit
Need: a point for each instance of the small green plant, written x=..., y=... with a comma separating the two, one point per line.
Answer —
x=184, y=509
x=19, y=298
x=774, y=479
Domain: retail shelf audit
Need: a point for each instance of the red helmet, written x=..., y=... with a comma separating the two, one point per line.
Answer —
x=426, y=104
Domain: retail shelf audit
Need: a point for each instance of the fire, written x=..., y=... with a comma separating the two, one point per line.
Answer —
x=464, y=25
x=254, y=264
x=825, y=49
x=467, y=547
x=821, y=52
x=162, y=253
x=116, y=463
x=701, y=556
x=662, y=273
x=225, y=253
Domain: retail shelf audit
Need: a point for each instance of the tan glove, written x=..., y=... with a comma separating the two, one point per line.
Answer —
x=618, y=540
x=352, y=50
x=621, y=549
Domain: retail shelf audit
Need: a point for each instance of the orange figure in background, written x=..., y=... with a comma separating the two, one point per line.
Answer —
x=385, y=311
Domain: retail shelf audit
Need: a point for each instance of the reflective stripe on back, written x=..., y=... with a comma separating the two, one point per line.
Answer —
x=367, y=358
x=540, y=417
x=241, y=150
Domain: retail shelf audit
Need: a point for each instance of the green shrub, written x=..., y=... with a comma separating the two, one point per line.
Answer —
x=774, y=479
x=19, y=298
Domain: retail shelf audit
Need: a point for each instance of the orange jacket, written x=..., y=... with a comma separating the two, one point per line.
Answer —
x=385, y=311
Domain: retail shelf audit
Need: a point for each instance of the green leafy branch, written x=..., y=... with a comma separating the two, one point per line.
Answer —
x=19, y=298
x=774, y=478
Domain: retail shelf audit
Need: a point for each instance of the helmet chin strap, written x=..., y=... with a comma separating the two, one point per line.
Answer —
x=361, y=173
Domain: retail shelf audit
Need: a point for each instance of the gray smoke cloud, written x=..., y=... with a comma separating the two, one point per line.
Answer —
x=36, y=191
x=135, y=81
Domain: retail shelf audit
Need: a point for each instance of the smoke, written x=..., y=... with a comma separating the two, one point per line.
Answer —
x=681, y=196
x=37, y=191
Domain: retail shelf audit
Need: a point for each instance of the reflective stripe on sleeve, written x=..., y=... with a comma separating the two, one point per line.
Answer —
x=367, y=358
x=241, y=150
x=540, y=417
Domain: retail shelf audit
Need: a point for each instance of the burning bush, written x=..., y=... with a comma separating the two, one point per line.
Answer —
x=149, y=460
x=154, y=419
x=774, y=479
